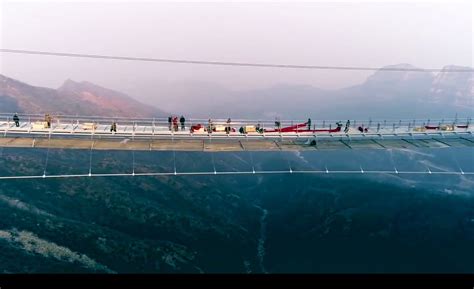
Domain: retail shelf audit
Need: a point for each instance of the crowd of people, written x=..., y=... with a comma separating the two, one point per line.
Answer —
x=47, y=120
x=174, y=123
x=361, y=128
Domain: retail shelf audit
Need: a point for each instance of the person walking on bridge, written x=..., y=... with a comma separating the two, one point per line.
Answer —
x=175, y=123
x=16, y=119
x=309, y=123
x=277, y=124
x=348, y=124
x=170, y=119
x=182, y=121
x=48, y=119
x=113, y=127
x=227, y=128
x=209, y=126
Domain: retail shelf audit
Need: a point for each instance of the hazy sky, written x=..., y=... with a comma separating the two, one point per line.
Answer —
x=350, y=34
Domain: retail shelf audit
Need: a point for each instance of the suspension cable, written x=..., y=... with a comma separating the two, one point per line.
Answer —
x=226, y=63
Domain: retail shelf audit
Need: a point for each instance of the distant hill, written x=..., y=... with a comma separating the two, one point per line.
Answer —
x=275, y=223
x=389, y=94
x=385, y=94
x=83, y=98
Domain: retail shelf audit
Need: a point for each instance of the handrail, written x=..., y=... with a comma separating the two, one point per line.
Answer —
x=369, y=122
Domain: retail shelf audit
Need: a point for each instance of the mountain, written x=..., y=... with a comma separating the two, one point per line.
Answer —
x=455, y=88
x=384, y=94
x=83, y=98
x=276, y=223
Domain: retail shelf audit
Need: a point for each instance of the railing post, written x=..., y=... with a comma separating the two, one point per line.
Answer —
x=8, y=125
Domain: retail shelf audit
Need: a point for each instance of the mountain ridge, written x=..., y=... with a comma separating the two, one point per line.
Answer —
x=385, y=93
x=72, y=97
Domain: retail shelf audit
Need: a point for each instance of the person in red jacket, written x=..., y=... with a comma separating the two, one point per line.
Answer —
x=175, y=123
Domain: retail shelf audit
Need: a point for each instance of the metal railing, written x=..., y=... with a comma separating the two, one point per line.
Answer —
x=151, y=126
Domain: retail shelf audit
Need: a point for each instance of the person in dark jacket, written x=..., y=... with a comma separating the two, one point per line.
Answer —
x=16, y=119
x=48, y=120
x=259, y=128
x=182, y=120
x=348, y=124
x=113, y=127
x=170, y=119
x=227, y=128
x=210, y=126
x=277, y=124
x=309, y=123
